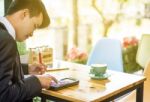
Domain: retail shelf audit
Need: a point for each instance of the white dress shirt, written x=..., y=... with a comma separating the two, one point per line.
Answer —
x=8, y=26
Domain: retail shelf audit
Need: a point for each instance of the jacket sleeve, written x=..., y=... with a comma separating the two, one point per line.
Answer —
x=25, y=68
x=10, y=90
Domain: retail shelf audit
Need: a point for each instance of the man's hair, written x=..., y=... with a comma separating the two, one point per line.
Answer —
x=35, y=7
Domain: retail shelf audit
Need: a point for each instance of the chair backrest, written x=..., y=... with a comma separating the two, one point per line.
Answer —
x=107, y=51
x=143, y=52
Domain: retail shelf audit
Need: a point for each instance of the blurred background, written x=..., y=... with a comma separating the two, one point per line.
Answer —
x=76, y=25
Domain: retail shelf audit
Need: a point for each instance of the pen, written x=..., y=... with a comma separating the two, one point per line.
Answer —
x=40, y=58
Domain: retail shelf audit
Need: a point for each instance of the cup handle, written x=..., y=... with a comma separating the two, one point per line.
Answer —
x=91, y=71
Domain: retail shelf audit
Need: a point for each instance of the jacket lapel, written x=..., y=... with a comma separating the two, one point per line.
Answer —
x=17, y=68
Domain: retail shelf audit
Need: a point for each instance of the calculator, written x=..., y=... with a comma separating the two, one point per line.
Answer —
x=63, y=83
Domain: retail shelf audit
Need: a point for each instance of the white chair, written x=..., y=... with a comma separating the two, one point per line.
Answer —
x=143, y=52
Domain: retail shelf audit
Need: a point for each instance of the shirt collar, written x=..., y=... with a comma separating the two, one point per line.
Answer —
x=8, y=26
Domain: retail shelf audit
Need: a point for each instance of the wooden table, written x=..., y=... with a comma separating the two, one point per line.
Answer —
x=90, y=90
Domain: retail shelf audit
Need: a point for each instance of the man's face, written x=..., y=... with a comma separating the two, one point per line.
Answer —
x=27, y=26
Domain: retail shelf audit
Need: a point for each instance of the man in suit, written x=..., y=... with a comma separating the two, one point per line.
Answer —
x=22, y=18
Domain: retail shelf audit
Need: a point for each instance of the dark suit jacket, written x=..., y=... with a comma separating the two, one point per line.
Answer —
x=13, y=86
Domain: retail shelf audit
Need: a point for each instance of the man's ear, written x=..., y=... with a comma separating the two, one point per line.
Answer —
x=24, y=13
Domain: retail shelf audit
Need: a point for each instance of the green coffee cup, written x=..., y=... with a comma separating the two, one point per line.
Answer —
x=98, y=69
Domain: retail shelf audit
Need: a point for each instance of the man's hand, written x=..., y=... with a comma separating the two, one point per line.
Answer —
x=46, y=80
x=37, y=69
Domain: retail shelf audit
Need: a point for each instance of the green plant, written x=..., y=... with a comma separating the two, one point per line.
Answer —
x=21, y=48
x=130, y=46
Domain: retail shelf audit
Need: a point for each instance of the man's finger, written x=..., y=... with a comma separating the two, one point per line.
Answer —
x=53, y=78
